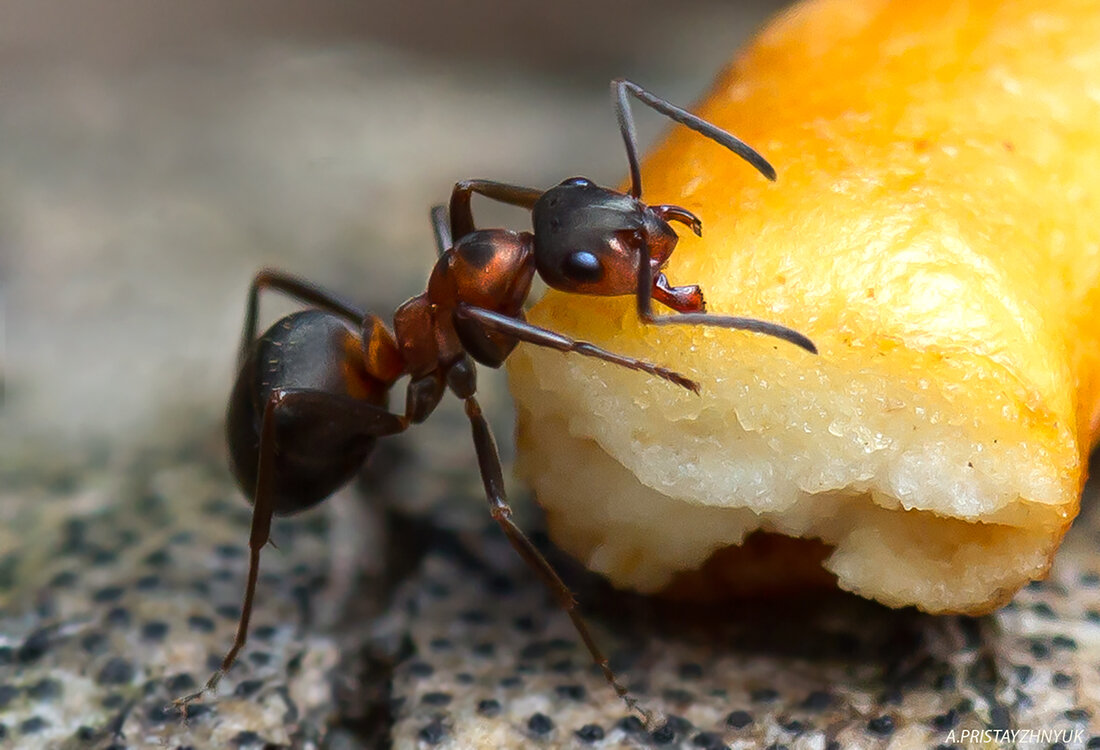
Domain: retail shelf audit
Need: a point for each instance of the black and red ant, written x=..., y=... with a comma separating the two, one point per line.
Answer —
x=311, y=396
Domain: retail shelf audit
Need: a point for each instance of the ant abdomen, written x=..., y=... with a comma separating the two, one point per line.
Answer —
x=307, y=352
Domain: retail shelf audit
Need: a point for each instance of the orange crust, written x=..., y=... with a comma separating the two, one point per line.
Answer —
x=936, y=218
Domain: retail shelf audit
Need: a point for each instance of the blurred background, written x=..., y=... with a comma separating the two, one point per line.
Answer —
x=153, y=156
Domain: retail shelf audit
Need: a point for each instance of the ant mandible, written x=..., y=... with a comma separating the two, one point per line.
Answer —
x=311, y=395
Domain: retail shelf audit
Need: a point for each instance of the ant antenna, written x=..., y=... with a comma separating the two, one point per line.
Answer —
x=441, y=230
x=621, y=87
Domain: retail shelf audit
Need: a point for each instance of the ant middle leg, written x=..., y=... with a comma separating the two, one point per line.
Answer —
x=488, y=460
x=285, y=409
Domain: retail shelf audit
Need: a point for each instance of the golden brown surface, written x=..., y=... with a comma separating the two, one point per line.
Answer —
x=934, y=230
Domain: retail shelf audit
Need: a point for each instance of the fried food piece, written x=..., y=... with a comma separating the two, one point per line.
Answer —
x=935, y=229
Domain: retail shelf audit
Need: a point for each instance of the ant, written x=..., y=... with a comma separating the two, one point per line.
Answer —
x=311, y=396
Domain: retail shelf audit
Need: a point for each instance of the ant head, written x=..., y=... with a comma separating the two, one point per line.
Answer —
x=588, y=238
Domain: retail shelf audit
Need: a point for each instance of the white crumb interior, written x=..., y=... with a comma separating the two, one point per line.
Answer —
x=926, y=498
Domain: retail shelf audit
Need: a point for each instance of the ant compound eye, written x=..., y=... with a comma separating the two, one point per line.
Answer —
x=577, y=182
x=582, y=266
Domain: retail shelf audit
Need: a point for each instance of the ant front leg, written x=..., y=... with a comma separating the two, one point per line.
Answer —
x=299, y=289
x=461, y=380
x=285, y=410
x=462, y=217
x=533, y=334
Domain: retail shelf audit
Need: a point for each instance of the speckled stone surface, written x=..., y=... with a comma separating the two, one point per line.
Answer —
x=141, y=185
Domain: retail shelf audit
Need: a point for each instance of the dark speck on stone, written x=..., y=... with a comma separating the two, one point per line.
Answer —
x=690, y=671
x=571, y=692
x=1064, y=642
x=180, y=683
x=118, y=617
x=590, y=733
x=540, y=723
x=663, y=735
x=1023, y=672
x=99, y=556
x=1057, y=746
x=1090, y=579
x=147, y=583
x=485, y=649
x=117, y=671
x=440, y=644
x=565, y=666
x=832, y=745
x=200, y=624
x=524, y=623
x=818, y=700
x=228, y=611
x=708, y=741
x=764, y=695
x=795, y=726
x=259, y=658
x=1093, y=743
x=7, y=693
x=944, y=682
x=1039, y=649
x=246, y=738
x=195, y=710
x=435, y=699
x=264, y=632
x=1061, y=680
x=892, y=697
x=679, y=696
x=85, y=733
x=488, y=707
x=247, y=687
x=1077, y=714
x=158, y=559
x=33, y=725
x=511, y=682
x=678, y=724
x=739, y=719
x=534, y=650
x=214, y=661
x=7, y=655
x=882, y=726
x=154, y=630
x=108, y=594
x=229, y=551
x=114, y=700
x=63, y=580
x=161, y=713
x=44, y=690
x=433, y=732
x=631, y=725
x=1042, y=609
x=945, y=722
x=464, y=678
x=474, y=617
x=500, y=585
x=34, y=647
x=421, y=669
